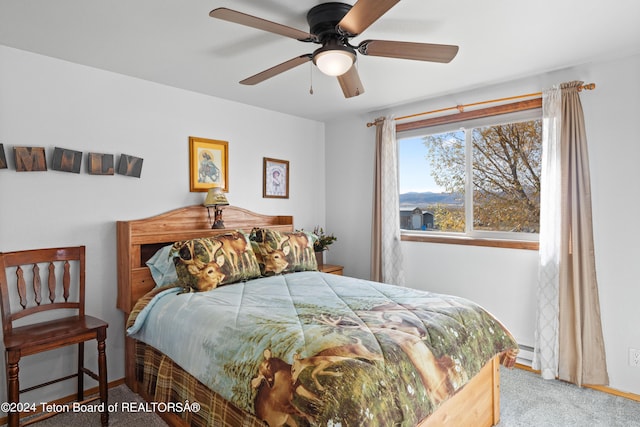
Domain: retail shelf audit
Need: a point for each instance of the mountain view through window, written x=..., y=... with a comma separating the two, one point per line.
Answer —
x=482, y=179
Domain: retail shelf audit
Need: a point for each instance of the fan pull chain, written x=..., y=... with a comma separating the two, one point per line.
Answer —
x=310, y=78
x=357, y=65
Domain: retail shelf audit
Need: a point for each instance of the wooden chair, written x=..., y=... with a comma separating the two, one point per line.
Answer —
x=67, y=264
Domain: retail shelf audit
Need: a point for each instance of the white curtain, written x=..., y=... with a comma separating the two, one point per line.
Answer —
x=386, y=253
x=545, y=356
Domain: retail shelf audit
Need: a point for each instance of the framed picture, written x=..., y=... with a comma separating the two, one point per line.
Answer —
x=275, y=182
x=208, y=164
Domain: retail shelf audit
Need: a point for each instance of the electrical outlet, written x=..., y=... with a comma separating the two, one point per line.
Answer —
x=634, y=357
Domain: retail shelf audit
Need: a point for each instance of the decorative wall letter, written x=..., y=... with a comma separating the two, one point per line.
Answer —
x=100, y=164
x=130, y=165
x=30, y=159
x=66, y=160
x=3, y=159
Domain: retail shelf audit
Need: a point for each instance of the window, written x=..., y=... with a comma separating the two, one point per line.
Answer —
x=478, y=179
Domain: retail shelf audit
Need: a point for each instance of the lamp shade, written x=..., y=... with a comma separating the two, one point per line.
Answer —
x=334, y=59
x=334, y=62
x=215, y=197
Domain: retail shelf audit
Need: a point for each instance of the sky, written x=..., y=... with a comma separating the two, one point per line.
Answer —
x=415, y=173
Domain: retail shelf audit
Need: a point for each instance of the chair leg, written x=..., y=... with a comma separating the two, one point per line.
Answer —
x=102, y=375
x=80, y=372
x=13, y=386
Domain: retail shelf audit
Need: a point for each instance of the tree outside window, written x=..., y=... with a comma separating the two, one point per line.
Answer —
x=504, y=176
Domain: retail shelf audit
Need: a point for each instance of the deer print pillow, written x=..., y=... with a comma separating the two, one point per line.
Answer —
x=206, y=263
x=283, y=252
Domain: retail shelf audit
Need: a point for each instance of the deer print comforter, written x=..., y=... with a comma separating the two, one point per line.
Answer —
x=311, y=348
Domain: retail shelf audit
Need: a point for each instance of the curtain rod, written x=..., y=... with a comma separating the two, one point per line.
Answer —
x=460, y=108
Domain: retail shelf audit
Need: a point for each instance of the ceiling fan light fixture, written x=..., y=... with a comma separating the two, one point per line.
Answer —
x=333, y=59
x=333, y=25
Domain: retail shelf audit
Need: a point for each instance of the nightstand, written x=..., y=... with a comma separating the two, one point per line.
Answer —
x=332, y=269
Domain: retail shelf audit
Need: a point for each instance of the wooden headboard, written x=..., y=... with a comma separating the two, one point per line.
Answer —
x=139, y=239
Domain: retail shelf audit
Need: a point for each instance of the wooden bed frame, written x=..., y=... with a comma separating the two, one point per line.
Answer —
x=476, y=404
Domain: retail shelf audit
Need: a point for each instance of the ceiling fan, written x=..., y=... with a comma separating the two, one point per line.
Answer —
x=332, y=25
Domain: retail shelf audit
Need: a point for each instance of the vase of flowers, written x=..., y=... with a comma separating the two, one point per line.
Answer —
x=322, y=243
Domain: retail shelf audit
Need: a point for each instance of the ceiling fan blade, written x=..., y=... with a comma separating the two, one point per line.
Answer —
x=274, y=71
x=259, y=23
x=407, y=50
x=363, y=14
x=350, y=83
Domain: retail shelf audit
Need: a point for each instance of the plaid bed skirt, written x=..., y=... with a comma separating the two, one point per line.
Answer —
x=164, y=381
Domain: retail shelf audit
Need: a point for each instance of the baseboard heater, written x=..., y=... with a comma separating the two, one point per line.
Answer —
x=525, y=355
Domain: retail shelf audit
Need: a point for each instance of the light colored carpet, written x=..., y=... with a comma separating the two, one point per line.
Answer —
x=117, y=395
x=526, y=401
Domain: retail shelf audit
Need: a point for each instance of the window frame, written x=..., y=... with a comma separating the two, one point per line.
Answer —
x=528, y=241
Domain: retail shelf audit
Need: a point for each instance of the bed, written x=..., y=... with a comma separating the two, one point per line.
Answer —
x=345, y=359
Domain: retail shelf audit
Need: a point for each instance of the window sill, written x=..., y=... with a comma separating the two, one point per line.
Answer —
x=470, y=241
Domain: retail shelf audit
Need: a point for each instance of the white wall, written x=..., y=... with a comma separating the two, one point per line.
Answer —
x=504, y=280
x=47, y=102
x=51, y=103
x=349, y=178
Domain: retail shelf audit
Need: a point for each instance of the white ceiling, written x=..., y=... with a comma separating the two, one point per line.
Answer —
x=175, y=42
